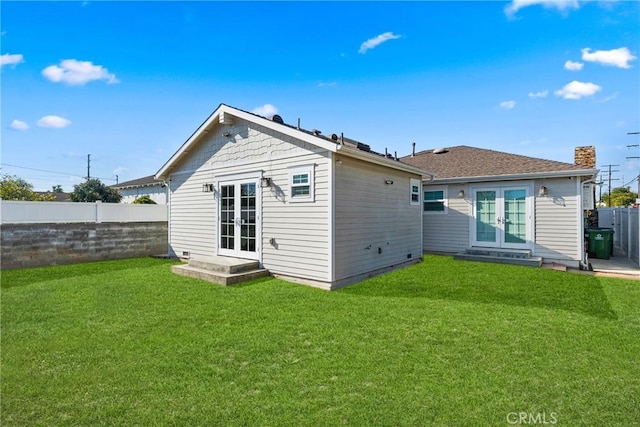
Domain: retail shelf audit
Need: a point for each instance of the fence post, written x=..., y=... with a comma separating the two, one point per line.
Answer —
x=98, y=211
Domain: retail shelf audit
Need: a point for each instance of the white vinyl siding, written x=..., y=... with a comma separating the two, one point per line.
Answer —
x=557, y=228
x=299, y=231
x=375, y=227
x=448, y=233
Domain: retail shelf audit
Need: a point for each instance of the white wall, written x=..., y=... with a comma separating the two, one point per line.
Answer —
x=300, y=230
x=157, y=193
x=20, y=212
x=557, y=230
x=375, y=224
x=448, y=232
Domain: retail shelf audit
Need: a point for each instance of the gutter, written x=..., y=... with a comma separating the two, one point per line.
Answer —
x=514, y=177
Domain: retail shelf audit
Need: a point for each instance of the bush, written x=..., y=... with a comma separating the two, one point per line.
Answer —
x=144, y=200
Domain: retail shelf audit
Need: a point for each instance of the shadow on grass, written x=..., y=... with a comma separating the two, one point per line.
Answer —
x=27, y=276
x=440, y=277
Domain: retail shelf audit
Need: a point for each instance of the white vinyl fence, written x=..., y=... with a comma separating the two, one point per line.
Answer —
x=626, y=229
x=17, y=212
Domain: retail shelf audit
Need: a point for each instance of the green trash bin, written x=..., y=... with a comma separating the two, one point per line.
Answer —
x=600, y=242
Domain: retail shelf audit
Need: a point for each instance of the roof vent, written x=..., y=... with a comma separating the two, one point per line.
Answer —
x=334, y=137
x=441, y=150
x=316, y=132
x=278, y=119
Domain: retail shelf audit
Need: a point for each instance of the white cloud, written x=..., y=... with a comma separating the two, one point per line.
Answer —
x=577, y=90
x=541, y=94
x=18, y=125
x=74, y=72
x=11, y=59
x=573, y=66
x=615, y=57
x=53, y=122
x=610, y=97
x=266, y=110
x=562, y=5
x=325, y=84
x=508, y=105
x=377, y=40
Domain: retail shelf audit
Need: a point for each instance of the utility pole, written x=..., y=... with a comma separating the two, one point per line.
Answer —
x=611, y=171
x=635, y=157
x=88, y=166
x=116, y=179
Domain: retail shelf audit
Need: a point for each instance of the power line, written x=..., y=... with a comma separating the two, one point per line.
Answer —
x=43, y=170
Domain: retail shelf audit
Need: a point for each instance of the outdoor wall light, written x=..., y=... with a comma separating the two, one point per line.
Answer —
x=543, y=191
x=461, y=194
x=265, y=182
x=388, y=182
x=207, y=188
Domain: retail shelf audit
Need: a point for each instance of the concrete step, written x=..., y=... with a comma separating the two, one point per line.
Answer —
x=225, y=265
x=218, y=277
x=530, y=261
x=499, y=252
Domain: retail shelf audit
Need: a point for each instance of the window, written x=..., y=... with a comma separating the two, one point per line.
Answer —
x=301, y=184
x=435, y=201
x=415, y=191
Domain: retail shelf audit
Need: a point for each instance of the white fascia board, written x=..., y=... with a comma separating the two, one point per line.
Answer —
x=513, y=177
x=381, y=160
x=283, y=129
x=203, y=128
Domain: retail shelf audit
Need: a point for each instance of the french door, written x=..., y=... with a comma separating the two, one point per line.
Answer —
x=238, y=225
x=502, y=217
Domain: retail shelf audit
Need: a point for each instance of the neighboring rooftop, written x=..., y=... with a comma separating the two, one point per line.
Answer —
x=468, y=162
x=146, y=181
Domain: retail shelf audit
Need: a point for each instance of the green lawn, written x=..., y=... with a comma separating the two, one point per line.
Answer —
x=443, y=342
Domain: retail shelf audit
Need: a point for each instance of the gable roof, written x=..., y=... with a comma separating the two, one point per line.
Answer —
x=464, y=163
x=146, y=181
x=224, y=115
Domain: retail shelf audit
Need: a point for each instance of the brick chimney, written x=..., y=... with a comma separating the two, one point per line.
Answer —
x=585, y=156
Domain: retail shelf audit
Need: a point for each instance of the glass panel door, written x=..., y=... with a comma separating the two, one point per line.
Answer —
x=501, y=217
x=238, y=220
x=486, y=230
x=515, y=216
x=248, y=217
x=227, y=217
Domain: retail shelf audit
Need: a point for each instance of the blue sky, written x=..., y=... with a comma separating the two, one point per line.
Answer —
x=128, y=82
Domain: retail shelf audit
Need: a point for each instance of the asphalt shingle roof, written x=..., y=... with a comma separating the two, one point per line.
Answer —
x=466, y=162
x=139, y=182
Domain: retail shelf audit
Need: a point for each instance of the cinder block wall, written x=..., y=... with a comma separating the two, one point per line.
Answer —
x=37, y=245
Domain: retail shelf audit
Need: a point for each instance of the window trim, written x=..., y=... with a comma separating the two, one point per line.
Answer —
x=445, y=200
x=413, y=182
x=301, y=170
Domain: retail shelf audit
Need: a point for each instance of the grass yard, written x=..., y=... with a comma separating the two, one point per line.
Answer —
x=443, y=342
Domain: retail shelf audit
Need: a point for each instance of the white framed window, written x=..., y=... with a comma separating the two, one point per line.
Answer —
x=301, y=183
x=414, y=195
x=434, y=200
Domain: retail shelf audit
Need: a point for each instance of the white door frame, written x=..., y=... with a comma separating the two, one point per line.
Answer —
x=500, y=234
x=237, y=180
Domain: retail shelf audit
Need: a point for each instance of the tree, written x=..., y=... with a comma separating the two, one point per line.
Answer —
x=144, y=200
x=14, y=188
x=93, y=190
x=57, y=189
x=621, y=196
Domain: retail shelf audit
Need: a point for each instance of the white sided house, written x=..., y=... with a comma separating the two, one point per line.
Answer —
x=325, y=211
x=146, y=186
x=484, y=204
